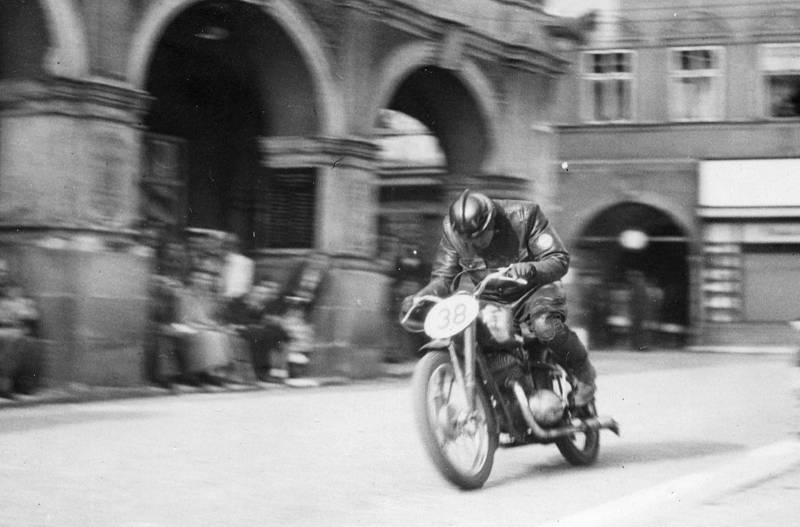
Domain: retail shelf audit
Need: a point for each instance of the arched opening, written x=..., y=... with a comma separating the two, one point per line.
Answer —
x=439, y=100
x=635, y=275
x=224, y=75
x=431, y=132
x=24, y=40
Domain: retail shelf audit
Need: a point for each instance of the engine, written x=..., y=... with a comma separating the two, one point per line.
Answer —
x=507, y=366
x=547, y=407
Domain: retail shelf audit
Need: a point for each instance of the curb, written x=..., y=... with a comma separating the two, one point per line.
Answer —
x=745, y=350
x=88, y=394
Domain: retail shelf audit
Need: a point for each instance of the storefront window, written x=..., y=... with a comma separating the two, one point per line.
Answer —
x=608, y=82
x=781, y=73
x=696, y=84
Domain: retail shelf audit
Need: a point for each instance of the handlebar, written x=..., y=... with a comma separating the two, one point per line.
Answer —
x=418, y=301
x=498, y=275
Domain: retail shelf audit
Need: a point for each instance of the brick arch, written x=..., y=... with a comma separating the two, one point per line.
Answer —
x=413, y=56
x=302, y=33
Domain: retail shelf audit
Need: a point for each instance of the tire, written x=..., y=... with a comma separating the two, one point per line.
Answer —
x=436, y=410
x=581, y=449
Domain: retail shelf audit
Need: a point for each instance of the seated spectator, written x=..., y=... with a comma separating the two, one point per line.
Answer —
x=162, y=307
x=170, y=262
x=256, y=317
x=20, y=346
x=205, y=342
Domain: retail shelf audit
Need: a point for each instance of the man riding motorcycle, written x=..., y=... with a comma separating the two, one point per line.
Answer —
x=480, y=233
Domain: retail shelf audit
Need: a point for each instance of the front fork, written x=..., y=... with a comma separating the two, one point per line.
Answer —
x=465, y=378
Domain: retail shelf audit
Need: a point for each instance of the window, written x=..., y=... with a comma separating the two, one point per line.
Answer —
x=781, y=73
x=608, y=81
x=696, y=84
x=284, y=210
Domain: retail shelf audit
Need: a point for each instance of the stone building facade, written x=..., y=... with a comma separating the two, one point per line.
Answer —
x=256, y=117
x=681, y=122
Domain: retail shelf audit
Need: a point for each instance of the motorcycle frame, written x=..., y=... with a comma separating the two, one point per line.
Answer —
x=475, y=368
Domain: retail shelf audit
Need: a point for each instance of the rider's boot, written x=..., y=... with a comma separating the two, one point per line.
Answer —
x=576, y=361
x=570, y=352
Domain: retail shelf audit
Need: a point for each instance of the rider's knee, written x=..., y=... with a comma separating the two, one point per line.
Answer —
x=548, y=327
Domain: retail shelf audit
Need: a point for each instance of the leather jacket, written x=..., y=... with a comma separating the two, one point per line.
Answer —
x=522, y=234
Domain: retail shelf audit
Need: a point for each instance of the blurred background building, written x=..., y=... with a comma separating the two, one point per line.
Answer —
x=680, y=128
x=329, y=137
x=273, y=120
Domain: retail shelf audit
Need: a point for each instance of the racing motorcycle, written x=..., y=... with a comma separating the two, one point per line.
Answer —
x=477, y=388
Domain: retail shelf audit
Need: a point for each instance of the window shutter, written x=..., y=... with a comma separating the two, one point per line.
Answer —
x=285, y=210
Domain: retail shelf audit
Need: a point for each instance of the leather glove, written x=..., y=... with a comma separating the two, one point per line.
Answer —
x=524, y=270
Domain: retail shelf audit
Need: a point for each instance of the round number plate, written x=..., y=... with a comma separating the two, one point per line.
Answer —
x=451, y=316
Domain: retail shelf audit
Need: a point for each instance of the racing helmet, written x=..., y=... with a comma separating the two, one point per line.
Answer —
x=471, y=214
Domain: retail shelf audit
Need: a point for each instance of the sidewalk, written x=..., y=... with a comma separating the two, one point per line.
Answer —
x=77, y=393
x=80, y=393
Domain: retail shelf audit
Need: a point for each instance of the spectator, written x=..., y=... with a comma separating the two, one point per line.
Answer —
x=20, y=344
x=256, y=318
x=204, y=342
x=638, y=309
x=161, y=343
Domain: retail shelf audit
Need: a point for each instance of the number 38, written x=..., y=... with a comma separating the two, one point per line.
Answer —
x=455, y=316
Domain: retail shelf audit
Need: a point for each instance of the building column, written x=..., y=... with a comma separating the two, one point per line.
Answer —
x=69, y=165
x=350, y=311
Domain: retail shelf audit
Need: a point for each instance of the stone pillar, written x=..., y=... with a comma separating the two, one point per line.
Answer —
x=69, y=170
x=349, y=314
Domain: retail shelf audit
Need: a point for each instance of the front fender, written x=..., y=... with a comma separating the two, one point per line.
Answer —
x=435, y=344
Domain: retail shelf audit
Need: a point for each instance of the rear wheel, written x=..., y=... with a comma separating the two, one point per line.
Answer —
x=581, y=448
x=460, y=443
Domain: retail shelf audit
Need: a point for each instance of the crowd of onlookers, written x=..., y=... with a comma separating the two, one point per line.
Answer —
x=211, y=318
x=200, y=324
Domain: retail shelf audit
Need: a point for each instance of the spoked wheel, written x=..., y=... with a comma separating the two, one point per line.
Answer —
x=581, y=448
x=460, y=443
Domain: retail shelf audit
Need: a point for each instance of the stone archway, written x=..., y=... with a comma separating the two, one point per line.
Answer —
x=475, y=90
x=285, y=14
x=634, y=262
x=213, y=74
x=456, y=108
x=455, y=145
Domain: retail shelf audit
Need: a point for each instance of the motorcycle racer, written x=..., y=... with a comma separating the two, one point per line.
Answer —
x=479, y=233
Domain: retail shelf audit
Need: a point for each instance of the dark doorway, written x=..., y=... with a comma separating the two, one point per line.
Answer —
x=224, y=76
x=205, y=94
x=634, y=260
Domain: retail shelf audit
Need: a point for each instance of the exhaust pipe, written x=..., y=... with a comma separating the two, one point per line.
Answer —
x=577, y=426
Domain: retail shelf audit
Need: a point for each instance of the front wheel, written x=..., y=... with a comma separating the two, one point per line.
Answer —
x=460, y=443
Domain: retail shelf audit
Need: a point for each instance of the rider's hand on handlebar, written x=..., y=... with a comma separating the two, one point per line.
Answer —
x=524, y=270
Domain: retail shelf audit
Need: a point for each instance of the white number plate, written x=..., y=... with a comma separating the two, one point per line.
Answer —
x=451, y=316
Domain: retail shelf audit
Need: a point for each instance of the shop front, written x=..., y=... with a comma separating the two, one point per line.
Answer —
x=750, y=213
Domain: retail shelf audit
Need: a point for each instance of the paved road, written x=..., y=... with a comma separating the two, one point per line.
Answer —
x=348, y=455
